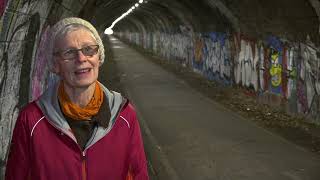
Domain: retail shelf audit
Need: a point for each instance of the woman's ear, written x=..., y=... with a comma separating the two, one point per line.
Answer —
x=100, y=63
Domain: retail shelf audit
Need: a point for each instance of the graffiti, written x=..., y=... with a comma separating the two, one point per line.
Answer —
x=246, y=63
x=275, y=70
x=291, y=72
x=10, y=85
x=276, y=62
x=302, y=98
x=216, y=57
x=3, y=4
x=261, y=67
x=212, y=56
x=13, y=52
x=287, y=69
x=30, y=38
x=284, y=72
x=155, y=45
x=198, y=49
x=40, y=67
x=166, y=44
x=310, y=77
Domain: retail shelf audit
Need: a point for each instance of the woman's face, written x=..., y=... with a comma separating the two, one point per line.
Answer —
x=80, y=71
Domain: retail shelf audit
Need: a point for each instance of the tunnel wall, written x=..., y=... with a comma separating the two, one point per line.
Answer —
x=24, y=74
x=278, y=72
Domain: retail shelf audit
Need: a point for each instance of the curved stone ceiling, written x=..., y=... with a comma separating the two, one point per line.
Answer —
x=292, y=19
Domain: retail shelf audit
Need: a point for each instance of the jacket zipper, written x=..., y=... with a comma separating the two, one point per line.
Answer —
x=84, y=171
x=83, y=153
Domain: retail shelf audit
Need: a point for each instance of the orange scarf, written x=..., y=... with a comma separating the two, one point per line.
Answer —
x=75, y=112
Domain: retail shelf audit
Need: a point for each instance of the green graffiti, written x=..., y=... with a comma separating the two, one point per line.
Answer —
x=293, y=73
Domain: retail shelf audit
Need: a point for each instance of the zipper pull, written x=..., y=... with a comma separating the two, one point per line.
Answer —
x=83, y=155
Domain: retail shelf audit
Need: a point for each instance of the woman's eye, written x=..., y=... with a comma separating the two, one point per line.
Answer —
x=87, y=49
x=68, y=52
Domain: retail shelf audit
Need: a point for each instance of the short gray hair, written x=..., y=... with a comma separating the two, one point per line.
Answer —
x=71, y=28
x=66, y=25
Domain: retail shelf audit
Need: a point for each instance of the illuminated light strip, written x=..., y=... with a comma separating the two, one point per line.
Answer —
x=109, y=30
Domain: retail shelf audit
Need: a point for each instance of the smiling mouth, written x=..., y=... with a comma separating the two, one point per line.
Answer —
x=82, y=71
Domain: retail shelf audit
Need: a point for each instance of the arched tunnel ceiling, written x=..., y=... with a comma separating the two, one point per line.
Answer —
x=196, y=15
x=291, y=19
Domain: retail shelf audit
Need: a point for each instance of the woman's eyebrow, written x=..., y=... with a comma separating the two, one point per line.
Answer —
x=82, y=45
x=87, y=41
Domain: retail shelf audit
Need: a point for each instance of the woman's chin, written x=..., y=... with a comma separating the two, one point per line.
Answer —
x=83, y=83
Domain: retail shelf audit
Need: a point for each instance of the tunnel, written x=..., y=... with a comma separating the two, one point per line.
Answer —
x=269, y=50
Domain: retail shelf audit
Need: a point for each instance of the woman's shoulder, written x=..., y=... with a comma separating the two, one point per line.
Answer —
x=30, y=112
x=129, y=110
x=30, y=107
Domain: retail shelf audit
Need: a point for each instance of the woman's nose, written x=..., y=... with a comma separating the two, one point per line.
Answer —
x=81, y=57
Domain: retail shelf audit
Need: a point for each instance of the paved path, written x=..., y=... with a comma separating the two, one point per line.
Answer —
x=190, y=137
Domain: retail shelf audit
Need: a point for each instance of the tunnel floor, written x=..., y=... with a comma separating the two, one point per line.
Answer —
x=188, y=135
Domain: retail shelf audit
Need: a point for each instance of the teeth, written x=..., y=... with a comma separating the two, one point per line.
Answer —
x=83, y=70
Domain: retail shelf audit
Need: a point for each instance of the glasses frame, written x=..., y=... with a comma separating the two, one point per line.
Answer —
x=60, y=53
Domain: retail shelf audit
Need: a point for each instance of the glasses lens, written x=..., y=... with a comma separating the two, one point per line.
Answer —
x=73, y=53
x=69, y=54
x=90, y=50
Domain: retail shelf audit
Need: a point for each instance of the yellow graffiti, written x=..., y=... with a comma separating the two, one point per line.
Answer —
x=275, y=70
x=198, y=50
x=274, y=57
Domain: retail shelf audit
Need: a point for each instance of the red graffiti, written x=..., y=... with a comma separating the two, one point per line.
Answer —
x=284, y=74
x=40, y=70
x=3, y=4
x=266, y=65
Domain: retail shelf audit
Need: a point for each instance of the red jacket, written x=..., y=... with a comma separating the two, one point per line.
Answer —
x=41, y=150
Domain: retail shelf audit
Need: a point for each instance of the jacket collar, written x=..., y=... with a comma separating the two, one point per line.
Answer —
x=49, y=104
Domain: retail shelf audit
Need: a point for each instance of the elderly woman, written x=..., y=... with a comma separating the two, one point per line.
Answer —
x=77, y=129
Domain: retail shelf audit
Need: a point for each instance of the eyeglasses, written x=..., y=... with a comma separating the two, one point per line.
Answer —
x=73, y=53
